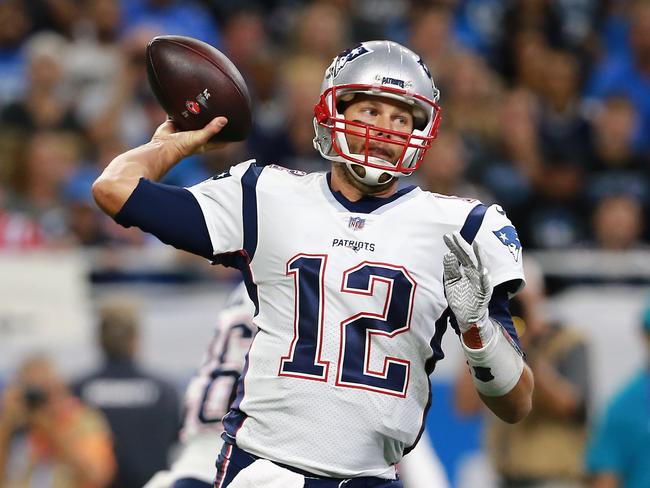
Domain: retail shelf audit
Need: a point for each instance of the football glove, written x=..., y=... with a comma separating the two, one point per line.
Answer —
x=466, y=281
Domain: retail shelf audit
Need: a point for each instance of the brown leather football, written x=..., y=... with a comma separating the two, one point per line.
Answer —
x=194, y=82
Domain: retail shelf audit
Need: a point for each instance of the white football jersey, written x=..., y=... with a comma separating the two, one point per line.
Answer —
x=351, y=311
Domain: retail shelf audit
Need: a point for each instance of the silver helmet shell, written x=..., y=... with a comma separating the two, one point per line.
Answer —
x=383, y=69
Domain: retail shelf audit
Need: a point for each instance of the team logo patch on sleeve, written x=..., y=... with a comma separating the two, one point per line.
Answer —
x=508, y=237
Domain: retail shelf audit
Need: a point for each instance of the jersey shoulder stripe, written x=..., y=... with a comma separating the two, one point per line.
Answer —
x=249, y=208
x=473, y=222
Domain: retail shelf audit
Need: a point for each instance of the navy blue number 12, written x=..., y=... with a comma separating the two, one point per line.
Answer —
x=357, y=332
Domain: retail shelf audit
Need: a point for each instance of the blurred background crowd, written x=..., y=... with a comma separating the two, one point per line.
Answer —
x=546, y=110
x=545, y=104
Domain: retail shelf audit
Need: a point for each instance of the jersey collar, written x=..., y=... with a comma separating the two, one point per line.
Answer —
x=366, y=204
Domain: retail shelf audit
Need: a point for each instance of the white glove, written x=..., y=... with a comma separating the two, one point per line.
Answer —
x=467, y=283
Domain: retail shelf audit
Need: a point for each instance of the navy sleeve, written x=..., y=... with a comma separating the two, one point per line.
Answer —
x=499, y=310
x=170, y=213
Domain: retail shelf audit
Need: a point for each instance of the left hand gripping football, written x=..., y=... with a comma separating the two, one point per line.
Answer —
x=466, y=281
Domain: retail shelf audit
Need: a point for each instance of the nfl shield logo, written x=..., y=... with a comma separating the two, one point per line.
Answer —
x=356, y=223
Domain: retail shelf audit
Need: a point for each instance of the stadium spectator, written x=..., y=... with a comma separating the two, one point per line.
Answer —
x=45, y=104
x=142, y=410
x=86, y=225
x=554, y=216
x=562, y=122
x=287, y=139
x=60, y=16
x=618, y=223
x=431, y=36
x=320, y=31
x=96, y=68
x=473, y=105
x=184, y=18
x=49, y=438
x=526, y=29
x=18, y=231
x=544, y=450
x=15, y=24
x=520, y=141
x=125, y=110
x=509, y=161
x=443, y=170
x=49, y=161
x=614, y=30
x=244, y=36
x=477, y=26
x=540, y=185
x=619, y=445
x=615, y=166
x=376, y=19
x=629, y=75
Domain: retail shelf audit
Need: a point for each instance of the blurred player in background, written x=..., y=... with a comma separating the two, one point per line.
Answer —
x=209, y=394
x=619, y=448
x=67, y=444
x=211, y=391
x=354, y=280
x=421, y=468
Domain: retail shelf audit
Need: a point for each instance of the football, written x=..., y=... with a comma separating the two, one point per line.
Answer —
x=194, y=83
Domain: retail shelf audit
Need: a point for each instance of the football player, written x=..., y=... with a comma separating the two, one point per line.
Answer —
x=208, y=396
x=354, y=281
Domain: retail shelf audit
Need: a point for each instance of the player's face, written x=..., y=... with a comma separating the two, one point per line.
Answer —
x=383, y=113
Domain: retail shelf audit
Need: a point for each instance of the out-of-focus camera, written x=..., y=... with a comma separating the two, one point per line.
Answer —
x=34, y=397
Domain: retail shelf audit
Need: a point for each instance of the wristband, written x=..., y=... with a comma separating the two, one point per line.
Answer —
x=497, y=366
x=479, y=333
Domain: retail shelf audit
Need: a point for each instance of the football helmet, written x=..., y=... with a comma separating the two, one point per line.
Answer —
x=383, y=69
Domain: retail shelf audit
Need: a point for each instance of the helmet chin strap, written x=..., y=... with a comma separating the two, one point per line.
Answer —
x=368, y=175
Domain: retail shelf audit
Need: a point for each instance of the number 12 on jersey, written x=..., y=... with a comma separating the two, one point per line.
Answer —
x=357, y=332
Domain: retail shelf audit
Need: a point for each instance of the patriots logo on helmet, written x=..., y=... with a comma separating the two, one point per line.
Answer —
x=508, y=237
x=345, y=57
